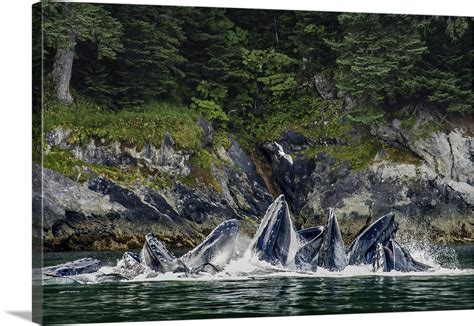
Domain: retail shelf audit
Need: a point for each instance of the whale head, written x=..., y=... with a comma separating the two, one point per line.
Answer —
x=402, y=259
x=332, y=253
x=362, y=249
x=273, y=238
x=217, y=248
x=155, y=256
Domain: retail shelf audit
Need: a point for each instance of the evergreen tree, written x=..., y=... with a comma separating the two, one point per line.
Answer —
x=148, y=68
x=64, y=25
x=377, y=55
x=445, y=74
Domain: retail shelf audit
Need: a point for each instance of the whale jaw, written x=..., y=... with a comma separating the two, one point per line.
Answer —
x=362, y=249
x=273, y=238
x=217, y=248
x=155, y=256
x=332, y=253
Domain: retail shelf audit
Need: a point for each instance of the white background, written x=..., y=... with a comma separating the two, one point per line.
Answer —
x=15, y=157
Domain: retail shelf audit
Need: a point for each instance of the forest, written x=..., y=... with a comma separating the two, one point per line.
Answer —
x=197, y=115
x=237, y=67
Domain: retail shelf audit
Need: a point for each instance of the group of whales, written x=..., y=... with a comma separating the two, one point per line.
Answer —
x=275, y=242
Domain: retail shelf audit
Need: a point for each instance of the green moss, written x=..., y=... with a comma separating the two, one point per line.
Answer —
x=201, y=177
x=64, y=162
x=407, y=124
x=221, y=139
x=130, y=176
x=359, y=155
x=201, y=158
x=310, y=116
x=426, y=130
x=401, y=155
x=132, y=127
x=201, y=163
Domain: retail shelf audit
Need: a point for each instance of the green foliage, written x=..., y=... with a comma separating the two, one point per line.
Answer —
x=268, y=75
x=207, y=105
x=445, y=74
x=201, y=158
x=149, y=68
x=408, y=124
x=64, y=162
x=201, y=174
x=201, y=177
x=238, y=66
x=135, y=127
x=221, y=139
x=212, y=50
x=365, y=116
x=210, y=110
x=377, y=54
x=309, y=41
x=311, y=116
x=64, y=22
x=359, y=155
x=427, y=129
x=401, y=155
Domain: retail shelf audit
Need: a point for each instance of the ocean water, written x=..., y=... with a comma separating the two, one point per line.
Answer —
x=249, y=289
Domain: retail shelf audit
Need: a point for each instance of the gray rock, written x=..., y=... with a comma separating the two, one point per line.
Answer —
x=103, y=214
x=325, y=88
x=164, y=159
x=208, y=132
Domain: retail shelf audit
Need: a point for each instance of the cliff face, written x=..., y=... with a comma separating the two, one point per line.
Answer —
x=97, y=208
x=432, y=196
x=97, y=212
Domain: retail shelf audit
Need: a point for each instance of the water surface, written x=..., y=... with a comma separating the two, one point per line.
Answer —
x=352, y=291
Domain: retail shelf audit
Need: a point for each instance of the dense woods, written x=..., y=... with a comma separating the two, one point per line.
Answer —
x=232, y=64
x=365, y=113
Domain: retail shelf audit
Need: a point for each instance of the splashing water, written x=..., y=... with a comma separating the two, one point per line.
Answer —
x=245, y=265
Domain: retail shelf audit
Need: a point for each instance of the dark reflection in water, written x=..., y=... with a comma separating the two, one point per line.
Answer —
x=275, y=296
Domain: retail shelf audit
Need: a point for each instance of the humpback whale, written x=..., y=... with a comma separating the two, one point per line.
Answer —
x=217, y=248
x=362, y=249
x=273, y=237
x=76, y=267
x=275, y=242
x=403, y=261
x=383, y=259
x=310, y=233
x=155, y=256
x=332, y=253
x=130, y=263
x=306, y=257
x=395, y=257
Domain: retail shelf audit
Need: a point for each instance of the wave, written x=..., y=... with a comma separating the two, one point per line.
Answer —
x=443, y=260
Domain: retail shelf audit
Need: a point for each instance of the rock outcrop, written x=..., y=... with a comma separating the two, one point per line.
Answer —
x=435, y=195
x=104, y=214
x=437, y=192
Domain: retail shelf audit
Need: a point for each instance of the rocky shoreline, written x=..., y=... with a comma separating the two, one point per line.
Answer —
x=432, y=194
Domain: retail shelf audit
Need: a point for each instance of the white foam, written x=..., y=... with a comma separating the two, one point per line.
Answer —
x=245, y=265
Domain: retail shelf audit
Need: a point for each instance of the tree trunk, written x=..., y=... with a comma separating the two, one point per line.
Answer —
x=62, y=70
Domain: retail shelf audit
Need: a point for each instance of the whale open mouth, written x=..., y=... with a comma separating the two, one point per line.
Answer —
x=362, y=249
x=273, y=237
x=333, y=254
x=275, y=242
x=216, y=249
x=155, y=256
